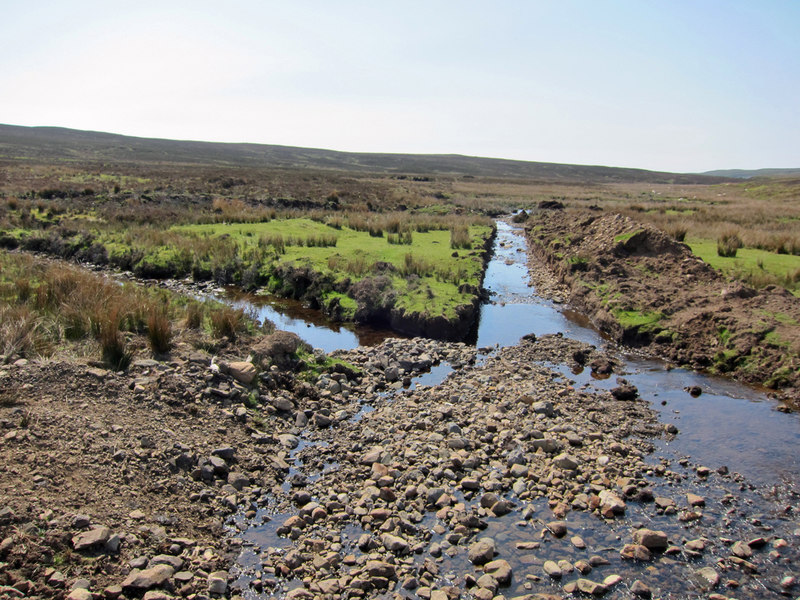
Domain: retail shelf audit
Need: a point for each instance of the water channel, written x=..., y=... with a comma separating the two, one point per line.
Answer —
x=729, y=424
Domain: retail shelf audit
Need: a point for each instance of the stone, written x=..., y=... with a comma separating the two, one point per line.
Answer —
x=636, y=552
x=139, y=580
x=395, y=544
x=226, y=453
x=578, y=542
x=481, y=551
x=80, y=594
x=707, y=578
x=566, y=462
x=218, y=582
x=238, y=480
x=243, y=372
x=612, y=580
x=695, y=500
x=587, y=586
x=378, y=568
x=92, y=539
x=741, y=550
x=611, y=504
x=625, y=392
x=500, y=570
x=321, y=420
x=552, y=569
x=166, y=559
x=640, y=589
x=557, y=528
x=652, y=540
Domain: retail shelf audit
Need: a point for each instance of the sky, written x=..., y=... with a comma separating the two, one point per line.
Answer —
x=674, y=85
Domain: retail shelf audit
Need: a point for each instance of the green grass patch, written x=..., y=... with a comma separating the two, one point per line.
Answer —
x=634, y=319
x=624, y=237
x=751, y=265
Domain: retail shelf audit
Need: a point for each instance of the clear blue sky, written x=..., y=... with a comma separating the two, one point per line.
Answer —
x=680, y=85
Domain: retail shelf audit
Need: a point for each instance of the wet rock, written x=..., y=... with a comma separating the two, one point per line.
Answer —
x=500, y=570
x=695, y=500
x=625, y=391
x=218, y=582
x=707, y=578
x=652, y=540
x=587, y=586
x=641, y=590
x=636, y=552
x=611, y=504
x=552, y=569
x=741, y=550
x=482, y=551
x=557, y=528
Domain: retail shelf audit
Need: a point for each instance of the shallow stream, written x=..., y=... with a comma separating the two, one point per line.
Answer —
x=729, y=424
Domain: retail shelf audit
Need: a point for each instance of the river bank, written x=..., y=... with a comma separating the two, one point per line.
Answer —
x=647, y=291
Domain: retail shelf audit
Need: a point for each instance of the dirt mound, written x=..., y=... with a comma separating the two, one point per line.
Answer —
x=650, y=291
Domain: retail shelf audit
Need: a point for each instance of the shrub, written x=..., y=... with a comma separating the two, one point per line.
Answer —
x=728, y=243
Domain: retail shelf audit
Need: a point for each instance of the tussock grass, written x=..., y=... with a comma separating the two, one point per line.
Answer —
x=159, y=329
x=728, y=244
x=228, y=322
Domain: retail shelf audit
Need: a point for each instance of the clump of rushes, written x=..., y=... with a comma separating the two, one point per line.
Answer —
x=459, y=237
x=112, y=343
x=728, y=243
x=195, y=311
x=677, y=231
x=159, y=329
x=227, y=321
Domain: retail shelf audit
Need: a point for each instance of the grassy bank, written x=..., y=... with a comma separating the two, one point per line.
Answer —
x=757, y=267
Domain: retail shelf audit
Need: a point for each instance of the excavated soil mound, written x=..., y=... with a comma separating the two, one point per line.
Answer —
x=649, y=291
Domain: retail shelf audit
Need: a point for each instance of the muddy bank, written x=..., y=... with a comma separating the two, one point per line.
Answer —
x=648, y=291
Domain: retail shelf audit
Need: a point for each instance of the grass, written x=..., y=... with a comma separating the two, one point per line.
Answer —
x=47, y=308
x=756, y=267
x=634, y=319
x=425, y=271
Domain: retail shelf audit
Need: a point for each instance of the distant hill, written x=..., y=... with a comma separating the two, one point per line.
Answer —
x=49, y=144
x=750, y=173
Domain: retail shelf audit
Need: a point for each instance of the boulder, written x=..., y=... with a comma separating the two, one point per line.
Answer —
x=92, y=539
x=652, y=540
x=140, y=580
